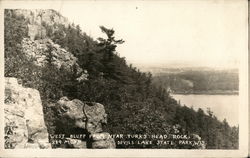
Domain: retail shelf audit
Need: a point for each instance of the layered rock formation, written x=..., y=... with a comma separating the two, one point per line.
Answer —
x=86, y=117
x=24, y=121
x=23, y=114
x=44, y=50
x=38, y=50
x=38, y=18
x=25, y=127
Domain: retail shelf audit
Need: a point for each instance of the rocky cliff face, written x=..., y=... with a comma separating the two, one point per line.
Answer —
x=25, y=127
x=38, y=18
x=24, y=118
x=38, y=51
x=88, y=118
x=42, y=49
x=24, y=121
x=39, y=48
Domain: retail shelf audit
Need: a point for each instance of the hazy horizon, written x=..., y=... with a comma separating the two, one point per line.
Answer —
x=194, y=34
x=178, y=64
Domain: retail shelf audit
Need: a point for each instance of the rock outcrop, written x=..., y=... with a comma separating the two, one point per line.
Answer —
x=38, y=50
x=24, y=121
x=39, y=18
x=44, y=50
x=89, y=118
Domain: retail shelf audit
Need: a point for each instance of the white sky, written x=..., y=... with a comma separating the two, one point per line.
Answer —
x=200, y=33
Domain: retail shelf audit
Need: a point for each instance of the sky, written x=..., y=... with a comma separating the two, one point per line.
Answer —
x=195, y=33
x=209, y=33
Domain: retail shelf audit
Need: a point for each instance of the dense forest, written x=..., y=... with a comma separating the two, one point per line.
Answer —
x=199, y=81
x=133, y=103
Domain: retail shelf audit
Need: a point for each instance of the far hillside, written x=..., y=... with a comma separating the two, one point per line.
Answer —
x=197, y=80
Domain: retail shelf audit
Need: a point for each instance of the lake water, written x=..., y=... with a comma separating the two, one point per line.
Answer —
x=222, y=106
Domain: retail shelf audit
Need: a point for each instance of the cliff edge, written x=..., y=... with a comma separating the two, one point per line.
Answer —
x=24, y=121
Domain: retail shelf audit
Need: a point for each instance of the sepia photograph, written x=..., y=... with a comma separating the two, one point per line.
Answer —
x=141, y=75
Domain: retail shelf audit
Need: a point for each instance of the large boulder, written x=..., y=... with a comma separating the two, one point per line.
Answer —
x=89, y=117
x=24, y=120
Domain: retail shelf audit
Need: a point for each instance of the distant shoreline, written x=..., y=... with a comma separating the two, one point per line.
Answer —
x=207, y=93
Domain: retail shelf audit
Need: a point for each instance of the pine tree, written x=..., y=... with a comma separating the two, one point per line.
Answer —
x=108, y=48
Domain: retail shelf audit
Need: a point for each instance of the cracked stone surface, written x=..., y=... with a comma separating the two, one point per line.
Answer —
x=89, y=117
x=24, y=120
